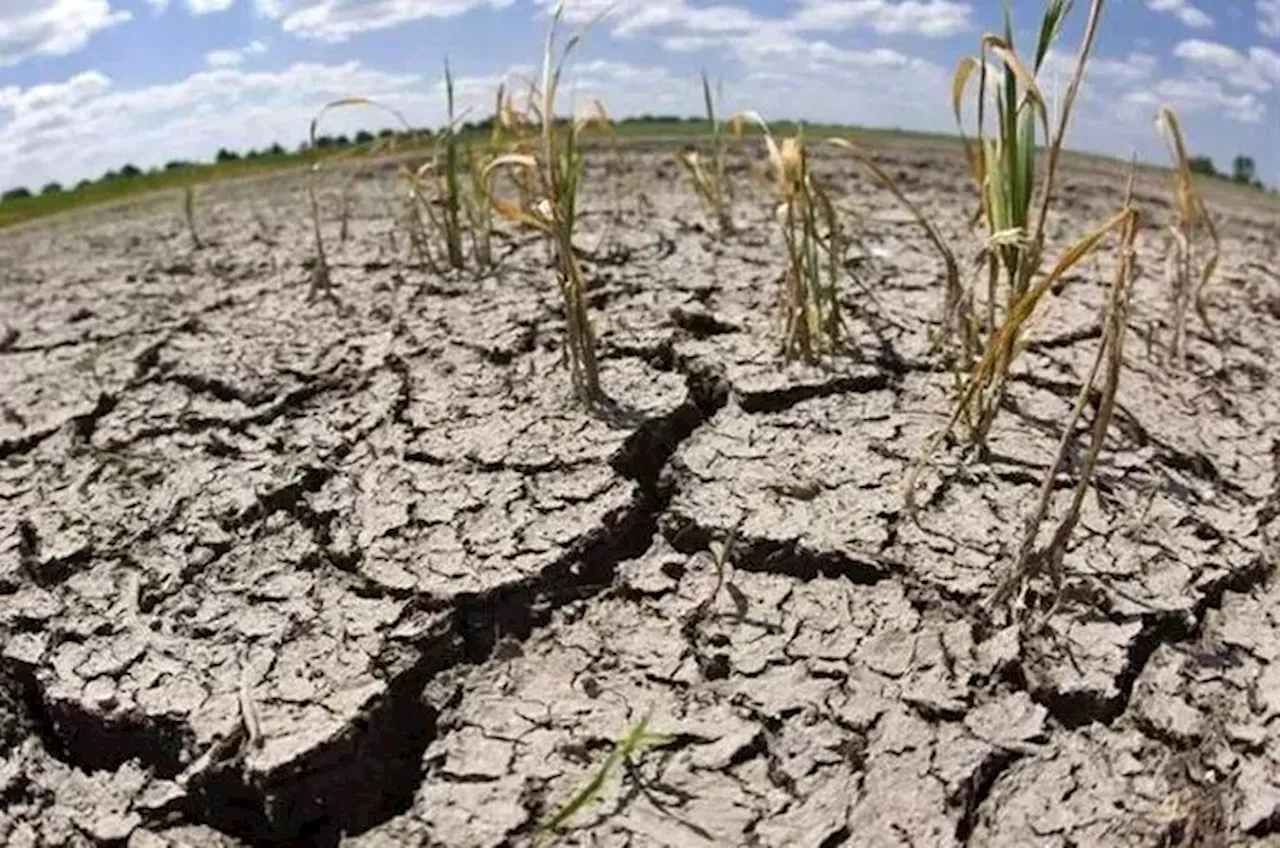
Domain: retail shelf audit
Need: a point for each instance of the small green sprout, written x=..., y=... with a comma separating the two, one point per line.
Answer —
x=638, y=741
x=451, y=213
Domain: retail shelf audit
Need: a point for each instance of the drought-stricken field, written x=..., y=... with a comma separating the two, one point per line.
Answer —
x=278, y=572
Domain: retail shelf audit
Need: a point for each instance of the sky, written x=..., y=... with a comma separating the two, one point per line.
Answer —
x=88, y=85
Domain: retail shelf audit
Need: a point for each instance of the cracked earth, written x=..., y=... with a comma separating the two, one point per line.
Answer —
x=281, y=573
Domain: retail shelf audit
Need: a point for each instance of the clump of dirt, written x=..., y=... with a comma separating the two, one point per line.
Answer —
x=276, y=572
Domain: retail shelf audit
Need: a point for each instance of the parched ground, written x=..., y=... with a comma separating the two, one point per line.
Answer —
x=282, y=573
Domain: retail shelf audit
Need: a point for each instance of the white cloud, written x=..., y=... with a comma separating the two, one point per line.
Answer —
x=1106, y=79
x=52, y=97
x=681, y=25
x=815, y=57
x=1221, y=81
x=870, y=81
x=338, y=20
x=1255, y=71
x=205, y=7
x=229, y=58
x=788, y=76
x=638, y=17
x=1193, y=95
x=1269, y=18
x=822, y=80
x=52, y=27
x=1132, y=68
x=223, y=58
x=604, y=72
x=1267, y=61
x=930, y=18
x=195, y=7
x=85, y=125
x=1183, y=11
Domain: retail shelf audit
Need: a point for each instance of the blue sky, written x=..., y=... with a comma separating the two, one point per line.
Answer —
x=87, y=85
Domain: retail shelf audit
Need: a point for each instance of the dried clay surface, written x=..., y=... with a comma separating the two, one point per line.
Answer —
x=358, y=570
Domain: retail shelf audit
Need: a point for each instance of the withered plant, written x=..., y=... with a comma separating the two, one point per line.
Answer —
x=546, y=162
x=321, y=281
x=1100, y=389
x=1191, y=263
x=708, y=173
x=812, y=320
x=1004, y=171
x=189, y=213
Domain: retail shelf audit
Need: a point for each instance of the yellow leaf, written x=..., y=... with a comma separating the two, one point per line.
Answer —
x=960, y=81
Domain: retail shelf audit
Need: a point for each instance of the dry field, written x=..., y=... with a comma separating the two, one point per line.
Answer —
x=281, y=572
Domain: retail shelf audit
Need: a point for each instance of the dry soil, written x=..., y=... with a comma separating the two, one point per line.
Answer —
x=275, y=572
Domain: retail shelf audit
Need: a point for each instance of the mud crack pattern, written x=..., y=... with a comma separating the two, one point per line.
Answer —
x=278, y=573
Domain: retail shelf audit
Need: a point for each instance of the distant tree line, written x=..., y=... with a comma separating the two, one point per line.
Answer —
x=224, y=156
x=1243, y=170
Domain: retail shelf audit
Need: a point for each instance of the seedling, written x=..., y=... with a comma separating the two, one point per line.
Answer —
x=1186, y=284
x=344, y=214
x=1005, y=174
x=189, y=212
x=1004, y=170
x=1007, y=341
x=445, y=201
x=1110, y=361
x=811, y=316
x=479, y=200
x=619, y=170
x=638, y=741
x=416, y=228
x=516, y=130
x=548, y=167
x=451, y=212
x=321, y=282
x=722, y=552
x=709, y=177
x=260, y=219
x=480, y=206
